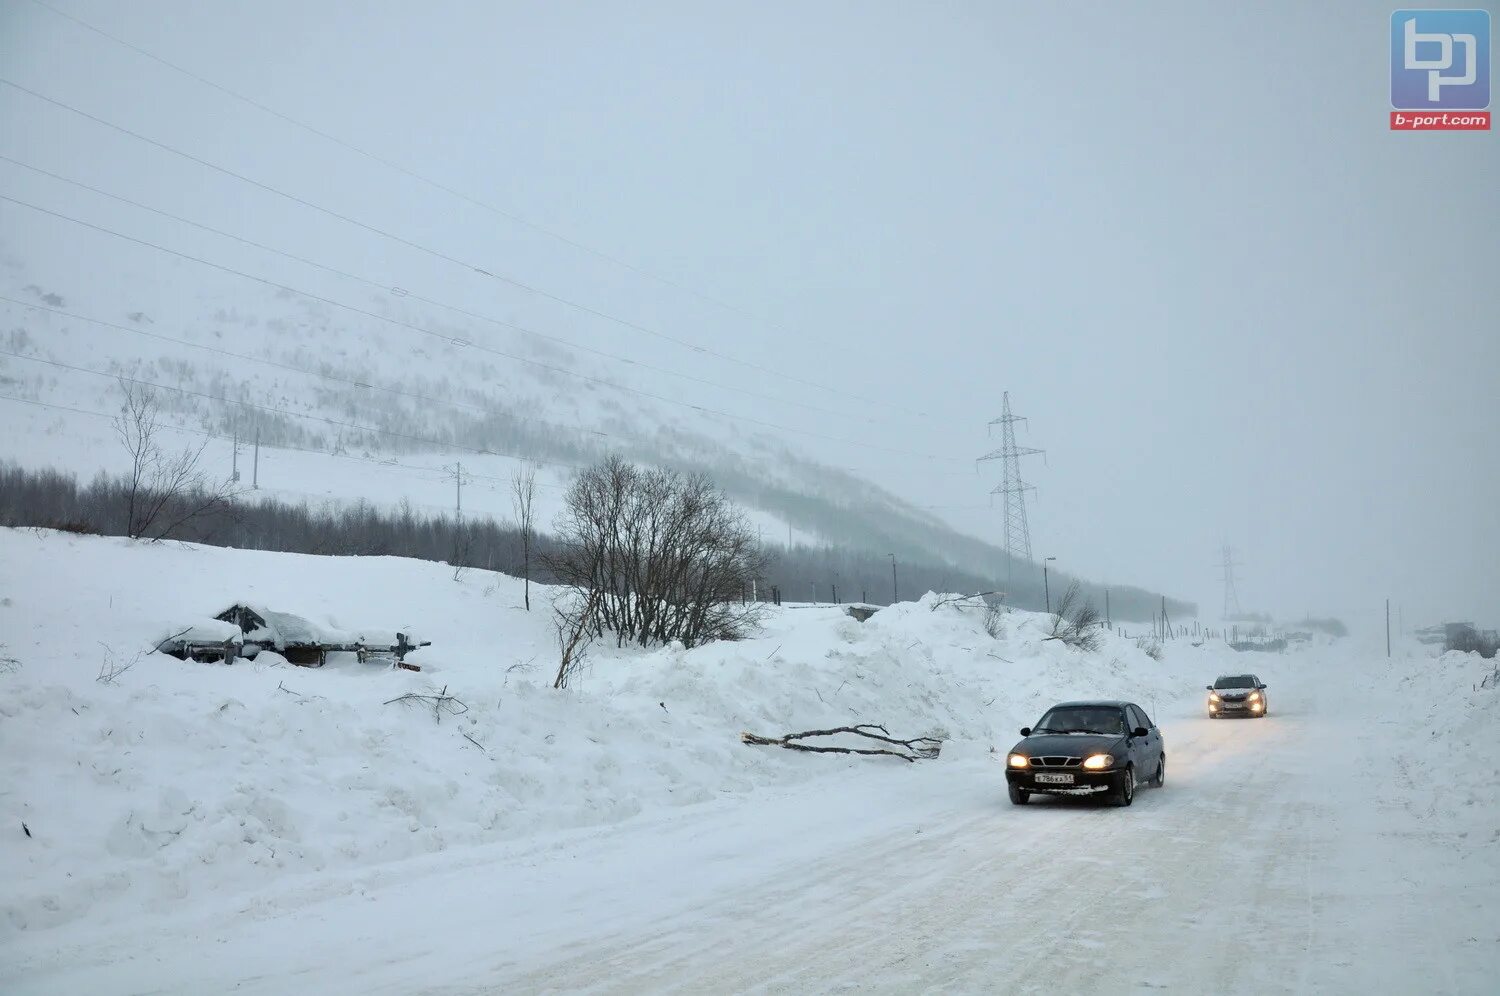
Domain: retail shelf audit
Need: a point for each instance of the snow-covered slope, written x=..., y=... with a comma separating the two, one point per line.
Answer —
x=360, y=393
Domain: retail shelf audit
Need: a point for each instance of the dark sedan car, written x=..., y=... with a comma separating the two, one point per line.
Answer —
x=1087, y=748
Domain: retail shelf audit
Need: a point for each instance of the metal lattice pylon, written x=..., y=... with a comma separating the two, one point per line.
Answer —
x=1231, y=597
x=1012, y=489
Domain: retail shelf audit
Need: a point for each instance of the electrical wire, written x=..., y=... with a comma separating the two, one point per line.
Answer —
x=403, y=293
x=467, y=343
x=417, y=246
x=471, y=200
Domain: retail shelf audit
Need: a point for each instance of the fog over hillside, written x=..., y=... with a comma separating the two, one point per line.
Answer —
x=797, y=252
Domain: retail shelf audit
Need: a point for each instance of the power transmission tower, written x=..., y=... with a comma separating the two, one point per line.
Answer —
x=1011, y=488
x=1231, y=598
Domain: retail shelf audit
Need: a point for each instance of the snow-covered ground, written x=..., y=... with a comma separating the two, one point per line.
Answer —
x=266, y=828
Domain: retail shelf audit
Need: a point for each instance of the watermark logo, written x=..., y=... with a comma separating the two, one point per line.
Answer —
x=1440, y=70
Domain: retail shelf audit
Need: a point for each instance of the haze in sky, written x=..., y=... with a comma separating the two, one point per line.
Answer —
x=1233, y=304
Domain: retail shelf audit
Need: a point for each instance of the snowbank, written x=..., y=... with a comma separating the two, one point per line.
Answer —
x=178, y=780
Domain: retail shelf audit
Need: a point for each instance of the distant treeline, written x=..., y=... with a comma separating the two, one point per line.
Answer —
x=256, y=522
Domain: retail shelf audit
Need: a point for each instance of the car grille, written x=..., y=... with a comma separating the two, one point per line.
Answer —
x=1055, y=761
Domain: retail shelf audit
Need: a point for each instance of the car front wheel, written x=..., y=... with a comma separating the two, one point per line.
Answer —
x=1125, y=794
x=1160, y=778
x=1018, y=795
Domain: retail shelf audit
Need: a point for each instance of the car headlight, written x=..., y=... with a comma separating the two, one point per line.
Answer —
x=1098, y=762
x=1213, y=696
x=1255, y=696
x=1018, y=761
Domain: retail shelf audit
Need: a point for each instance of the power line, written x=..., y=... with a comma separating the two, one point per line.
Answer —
x=467, y=198
x=403, y=293
x=435, y=253
x=467, y=343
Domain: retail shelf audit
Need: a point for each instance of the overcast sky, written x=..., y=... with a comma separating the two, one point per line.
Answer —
x=1234, y=305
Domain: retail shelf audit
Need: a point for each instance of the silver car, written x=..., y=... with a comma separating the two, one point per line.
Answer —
x=1238, y=695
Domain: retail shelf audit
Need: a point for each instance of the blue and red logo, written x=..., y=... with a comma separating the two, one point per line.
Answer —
x=1440, y=69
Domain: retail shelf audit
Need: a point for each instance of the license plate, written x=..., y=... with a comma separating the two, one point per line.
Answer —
x=1054, y=779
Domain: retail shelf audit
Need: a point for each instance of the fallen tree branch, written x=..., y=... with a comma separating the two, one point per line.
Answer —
x=441, y=702
x=917, y=749
x=953, y=599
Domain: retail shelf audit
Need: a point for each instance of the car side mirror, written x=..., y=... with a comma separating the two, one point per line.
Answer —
x=1209, y=687
x=1140, y=731
x=1262, y=686
x=1025, y=731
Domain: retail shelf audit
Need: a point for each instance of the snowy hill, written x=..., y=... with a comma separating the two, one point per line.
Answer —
x=368, y=395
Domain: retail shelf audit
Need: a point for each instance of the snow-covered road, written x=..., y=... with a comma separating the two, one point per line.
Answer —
x=1335, y=847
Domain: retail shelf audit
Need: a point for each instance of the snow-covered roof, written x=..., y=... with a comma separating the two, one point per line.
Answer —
x=204, y=631
x=285, y=629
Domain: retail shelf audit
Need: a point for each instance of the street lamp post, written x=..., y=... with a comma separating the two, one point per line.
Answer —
x=893, y=578
x=1046, y=587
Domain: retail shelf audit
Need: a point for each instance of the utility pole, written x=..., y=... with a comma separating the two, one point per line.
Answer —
x=234, y=465
x=1388, y=627
x=458, y=500
x=814, y=586
x=894, y=598
x=255, y=469
x=1011, y=488
x=1047, y=588
x=1107, y=621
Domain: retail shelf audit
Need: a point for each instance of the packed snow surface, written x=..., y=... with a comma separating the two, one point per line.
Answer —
x=261, y=827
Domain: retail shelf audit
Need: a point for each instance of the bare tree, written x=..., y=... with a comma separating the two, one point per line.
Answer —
x=665, y=555
x=163, y=492
x=523, y=497
x=1076, y=621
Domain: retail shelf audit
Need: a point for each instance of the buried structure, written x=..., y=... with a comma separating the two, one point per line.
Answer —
x=244, y=630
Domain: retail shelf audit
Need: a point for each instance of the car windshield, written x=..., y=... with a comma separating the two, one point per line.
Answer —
x=1236, y=681
x=1082, y=719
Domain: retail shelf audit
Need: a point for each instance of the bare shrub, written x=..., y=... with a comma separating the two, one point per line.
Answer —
x=660, y=556
x=994, y=619
x=574, y=621
x=1150, y=646
x=163, y=492
x=1076, y=621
